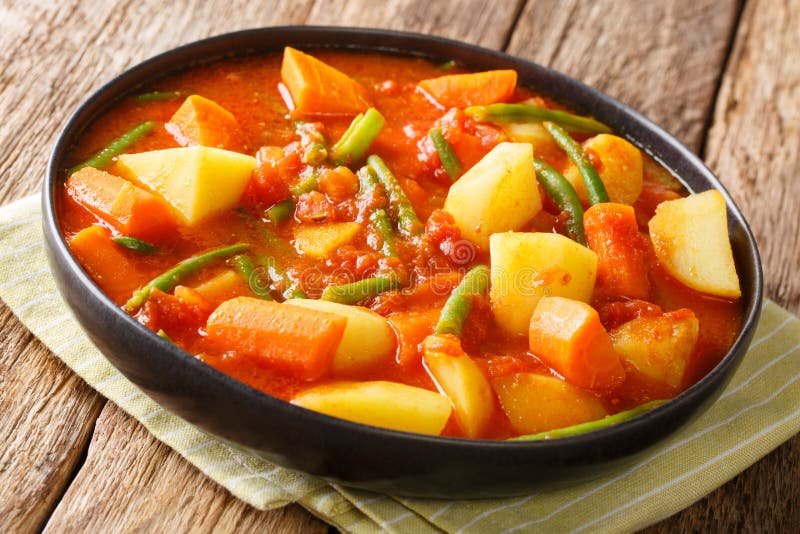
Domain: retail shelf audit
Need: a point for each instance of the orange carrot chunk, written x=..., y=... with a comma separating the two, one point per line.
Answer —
x=612, y=232
x=128, y=208
x=200, y=121
x=411, y=328
x=567, y=335
x=292, y=339
x=105, y=262
x=317, y=88
x=476, y=89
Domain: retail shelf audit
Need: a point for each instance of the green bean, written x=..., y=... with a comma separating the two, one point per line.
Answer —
x=305, y=185
x=563, y=194
x=380, y=221
x=242, y=264
x=591, y=426
x=116, y=147
x=456, y=309
x=357, y=291
x=315, y=146
x=157, y=96
x=164, y=335
x=407, y=221
x=367, y=180
x=448, y=65
x=168, y=280
x=267, y=236
x=280, y=212
x=528, y=113
x=594, y=185
x=357, y=138
x=136, y=245
x=446, y=153
x=290, y=289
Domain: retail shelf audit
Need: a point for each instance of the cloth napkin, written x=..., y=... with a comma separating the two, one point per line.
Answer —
x=759, y=410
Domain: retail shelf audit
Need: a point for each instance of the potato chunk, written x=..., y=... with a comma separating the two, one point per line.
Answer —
x=380, y=403
x=619, y=165
x=497, y=194
x=690, y=239
x=460, y=379
x=367, y=341
x=659, y=347
x=196, y=181
x=536, y=403
x=319, y=241
x=528, y=266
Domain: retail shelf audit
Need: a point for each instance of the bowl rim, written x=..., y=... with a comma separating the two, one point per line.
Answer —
x=617, y=115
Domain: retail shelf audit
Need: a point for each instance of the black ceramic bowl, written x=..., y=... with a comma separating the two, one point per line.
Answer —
x=350, y=453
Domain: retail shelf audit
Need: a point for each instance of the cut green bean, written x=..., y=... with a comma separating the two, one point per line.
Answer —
x=448, y=65
x=456, y=309
x=383, y=225
x=266, y=235
x=280, y=212
x=315, y=146
x=164, y=335
x=407, y=221
x=528, y=113
x=157, y=96
x=564, y=195
x=136, y=245
x=116, y=147
x=242, y=265
x=305, y=185
x=591, y=426
x=591, y=180
x=168, y=280
x=357, y=291
x=357, y=138
x=367, y=180
x=446, y=153
x=289, y=288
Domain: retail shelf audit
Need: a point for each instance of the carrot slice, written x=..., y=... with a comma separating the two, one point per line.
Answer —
x=292, y=339
x=476, y=89
x=612, y=232
x=128, y=208
x=317, y=88
x=105, y=262
x=200, y=121
x=568, y=336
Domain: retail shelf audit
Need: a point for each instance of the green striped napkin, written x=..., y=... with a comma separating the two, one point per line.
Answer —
x=759, y=410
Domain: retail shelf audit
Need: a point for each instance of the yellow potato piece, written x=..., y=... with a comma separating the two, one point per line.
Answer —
x=368, y=340
x=197, y=181
x=380, y=403
x=536, y=403
x=499, y=193
x=529, y=265
x=690, y=239
x=659, y=347
x=619, y=165
x=319, y=241
x=460, y=380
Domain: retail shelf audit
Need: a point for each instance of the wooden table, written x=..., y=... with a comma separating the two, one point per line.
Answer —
x=722, y=76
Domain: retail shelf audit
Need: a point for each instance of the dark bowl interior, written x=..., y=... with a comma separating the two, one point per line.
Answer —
x=350, y=453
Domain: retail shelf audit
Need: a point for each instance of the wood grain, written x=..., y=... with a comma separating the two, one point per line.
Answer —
x=131, y=482
x=663, y=61
x=46, y=418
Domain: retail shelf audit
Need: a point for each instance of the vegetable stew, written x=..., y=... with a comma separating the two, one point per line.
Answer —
x=403, y=243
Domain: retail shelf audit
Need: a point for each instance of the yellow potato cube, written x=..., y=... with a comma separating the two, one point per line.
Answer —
x=499, y=193
x=197, y=181
x=460, y=379
x=690, y=239
x=380, y=403
x=319, y=241
x=619, y=165
x=529, y=265
x=536, y=403
x=368, y=339
x=659, y=347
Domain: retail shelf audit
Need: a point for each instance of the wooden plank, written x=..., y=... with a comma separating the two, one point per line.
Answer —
x=753, y=147
x=663, y=60
x=131, y=482
x=46, y=419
